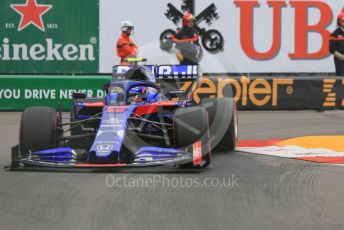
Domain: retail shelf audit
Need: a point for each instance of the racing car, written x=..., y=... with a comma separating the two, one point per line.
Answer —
x=143, y=120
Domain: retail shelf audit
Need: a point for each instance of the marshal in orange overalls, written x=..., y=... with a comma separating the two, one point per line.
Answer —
x=126, y=48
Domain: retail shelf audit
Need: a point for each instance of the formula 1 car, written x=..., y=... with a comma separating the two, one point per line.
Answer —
x=141, y=122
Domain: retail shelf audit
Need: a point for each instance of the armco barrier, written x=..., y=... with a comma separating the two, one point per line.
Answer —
x=287, y=93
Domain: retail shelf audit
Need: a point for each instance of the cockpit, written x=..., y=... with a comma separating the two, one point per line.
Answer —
x=129, y=94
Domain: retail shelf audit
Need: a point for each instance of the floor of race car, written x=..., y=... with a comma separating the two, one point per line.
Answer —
x=239, y=190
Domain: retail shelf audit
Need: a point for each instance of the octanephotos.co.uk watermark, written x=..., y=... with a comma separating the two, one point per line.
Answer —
x=154, y=181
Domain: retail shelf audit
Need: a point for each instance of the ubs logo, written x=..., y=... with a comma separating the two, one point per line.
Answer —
x=212, y=40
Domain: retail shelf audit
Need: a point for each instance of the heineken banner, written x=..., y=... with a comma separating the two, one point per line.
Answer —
x=47, y=36
x=258, y=93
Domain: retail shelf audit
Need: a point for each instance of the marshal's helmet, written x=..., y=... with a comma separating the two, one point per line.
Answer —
x=340, y=18
x=126, y=25
x=187, y=17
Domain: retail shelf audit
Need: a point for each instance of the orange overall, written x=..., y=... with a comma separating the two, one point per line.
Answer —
x=126, y=48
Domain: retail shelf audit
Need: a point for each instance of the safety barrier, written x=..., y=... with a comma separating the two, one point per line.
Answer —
x=255, y=93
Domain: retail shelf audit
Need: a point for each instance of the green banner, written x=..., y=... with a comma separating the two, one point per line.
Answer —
x=19, y=92
x=46, y=36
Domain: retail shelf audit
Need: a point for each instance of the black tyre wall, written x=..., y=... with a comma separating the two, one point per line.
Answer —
x=38, y=130
x=191, y=125
x=223, y=122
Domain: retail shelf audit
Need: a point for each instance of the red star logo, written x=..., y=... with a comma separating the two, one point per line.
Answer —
x=31, y=13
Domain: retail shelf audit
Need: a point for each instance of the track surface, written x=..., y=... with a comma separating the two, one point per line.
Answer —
x=267, y=193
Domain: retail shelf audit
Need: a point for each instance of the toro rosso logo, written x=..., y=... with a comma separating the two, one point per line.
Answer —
x=212, y=40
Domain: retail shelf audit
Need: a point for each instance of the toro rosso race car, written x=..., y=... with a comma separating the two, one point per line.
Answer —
x=143, y=120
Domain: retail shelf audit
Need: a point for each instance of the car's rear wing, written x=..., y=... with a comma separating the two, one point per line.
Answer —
x=176, y=72
x=177, y=80
x=159, y=72
x=128, y=72
x=172, y=78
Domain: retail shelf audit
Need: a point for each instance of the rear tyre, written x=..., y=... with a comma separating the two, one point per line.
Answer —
x=191, y=125
x=223, y=123
x=38, y=130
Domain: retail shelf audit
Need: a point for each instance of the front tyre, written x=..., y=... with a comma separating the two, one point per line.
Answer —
x=191, y=127
x=223, y=122
x=38, y=130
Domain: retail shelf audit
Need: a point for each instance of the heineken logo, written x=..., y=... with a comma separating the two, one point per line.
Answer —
x=31, y=14
x=48, y=51
x=49, y=36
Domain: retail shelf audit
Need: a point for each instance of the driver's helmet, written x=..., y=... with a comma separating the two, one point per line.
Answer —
x=139, y=94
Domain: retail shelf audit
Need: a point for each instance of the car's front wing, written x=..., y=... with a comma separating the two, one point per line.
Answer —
x=66, y=158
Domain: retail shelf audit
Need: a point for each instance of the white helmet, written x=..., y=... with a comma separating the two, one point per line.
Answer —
x=125, y=25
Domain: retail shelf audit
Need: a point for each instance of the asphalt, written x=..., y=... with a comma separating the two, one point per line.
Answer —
x=257, y=192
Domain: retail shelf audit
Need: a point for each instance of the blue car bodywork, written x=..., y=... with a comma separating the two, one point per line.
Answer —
x=123, y=129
